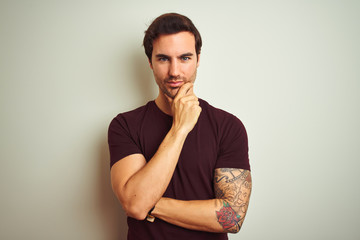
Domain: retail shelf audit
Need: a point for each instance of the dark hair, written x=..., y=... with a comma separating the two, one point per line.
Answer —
x=169, y=23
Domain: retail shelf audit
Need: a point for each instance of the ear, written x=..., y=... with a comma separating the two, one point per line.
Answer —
x=198, y=60
x=150, y=64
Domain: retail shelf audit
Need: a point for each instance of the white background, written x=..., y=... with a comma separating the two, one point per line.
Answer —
x=290, y=70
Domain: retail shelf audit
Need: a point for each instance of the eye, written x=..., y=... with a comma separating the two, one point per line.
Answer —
x=163, y=59
x=185, y=58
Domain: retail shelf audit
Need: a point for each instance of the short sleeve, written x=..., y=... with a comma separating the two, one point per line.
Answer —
x=121, y=140
x=233, y=149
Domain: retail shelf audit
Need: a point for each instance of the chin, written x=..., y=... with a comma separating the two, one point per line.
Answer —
x=171, y=93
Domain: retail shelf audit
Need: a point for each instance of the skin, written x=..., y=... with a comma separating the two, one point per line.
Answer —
x=140, y=186
x=173, y=67
x=174, y=64
x=225, y=213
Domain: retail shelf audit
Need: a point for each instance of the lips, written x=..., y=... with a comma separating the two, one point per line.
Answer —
x=175, y=84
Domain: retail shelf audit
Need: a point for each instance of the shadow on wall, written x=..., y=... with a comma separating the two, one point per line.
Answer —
x=113, y=216
x=143, y=80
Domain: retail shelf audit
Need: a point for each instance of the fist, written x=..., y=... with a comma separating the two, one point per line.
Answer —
x=185, y=108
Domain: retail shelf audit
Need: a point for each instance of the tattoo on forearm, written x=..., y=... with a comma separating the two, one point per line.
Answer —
x=227, y=217
x=233, y=187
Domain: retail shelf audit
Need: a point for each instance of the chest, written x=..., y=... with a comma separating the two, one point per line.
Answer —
x=193, y=176
x=200, y=148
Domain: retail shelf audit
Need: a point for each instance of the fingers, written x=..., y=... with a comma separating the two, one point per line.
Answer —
x=191, y=90
x=186, y=95
x=189, y=98
x=184, y=90
x=185, y=108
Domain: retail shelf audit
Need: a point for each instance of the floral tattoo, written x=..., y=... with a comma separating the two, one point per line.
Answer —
x=227, y=217
x=233, y=188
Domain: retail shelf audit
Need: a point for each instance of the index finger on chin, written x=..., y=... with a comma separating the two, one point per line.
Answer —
x=184, y=89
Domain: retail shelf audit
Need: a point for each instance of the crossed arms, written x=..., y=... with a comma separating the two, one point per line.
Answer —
x=225, y=213
x=140, y=186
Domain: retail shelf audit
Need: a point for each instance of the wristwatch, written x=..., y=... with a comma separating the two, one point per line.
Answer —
x=150, y=217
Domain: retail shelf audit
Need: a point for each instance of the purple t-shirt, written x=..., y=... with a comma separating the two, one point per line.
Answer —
x=218, y=140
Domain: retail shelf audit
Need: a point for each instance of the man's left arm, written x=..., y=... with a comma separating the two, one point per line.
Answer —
x=225, y=213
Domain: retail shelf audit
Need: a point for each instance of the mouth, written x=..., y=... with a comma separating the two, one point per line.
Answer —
x=175, y=84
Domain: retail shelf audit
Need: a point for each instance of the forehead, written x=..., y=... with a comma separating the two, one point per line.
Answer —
x=174, y=44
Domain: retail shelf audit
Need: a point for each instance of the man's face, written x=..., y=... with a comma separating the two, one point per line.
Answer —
x=174, y=61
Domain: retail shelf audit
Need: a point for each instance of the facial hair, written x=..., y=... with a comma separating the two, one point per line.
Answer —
x=165, y=90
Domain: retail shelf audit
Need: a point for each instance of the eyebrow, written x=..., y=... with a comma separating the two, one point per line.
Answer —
x=188, y=54
x=161, y=56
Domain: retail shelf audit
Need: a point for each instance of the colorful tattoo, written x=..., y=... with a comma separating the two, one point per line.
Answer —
x=233, y=187
x=227, y=217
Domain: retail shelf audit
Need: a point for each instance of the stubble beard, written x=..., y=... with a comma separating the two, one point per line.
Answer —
x=170, y=94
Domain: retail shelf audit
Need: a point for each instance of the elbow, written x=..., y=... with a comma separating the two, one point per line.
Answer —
x=235, y=230
x=135, y=211
x=132, y=208
x=131, y=205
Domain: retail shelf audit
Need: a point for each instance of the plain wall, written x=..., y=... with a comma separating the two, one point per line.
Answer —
x=290, y=70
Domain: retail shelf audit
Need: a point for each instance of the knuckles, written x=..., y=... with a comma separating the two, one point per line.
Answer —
x=187, y=101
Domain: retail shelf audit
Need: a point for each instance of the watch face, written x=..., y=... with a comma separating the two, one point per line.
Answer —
x=150, y=218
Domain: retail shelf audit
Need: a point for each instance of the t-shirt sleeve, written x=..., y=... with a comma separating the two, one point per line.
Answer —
x=120, y=139
x=233, y=150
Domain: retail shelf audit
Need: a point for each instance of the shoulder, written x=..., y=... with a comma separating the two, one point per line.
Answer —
x=131, y=118
x=232, y=138
x=220, y=117
x=135, y=114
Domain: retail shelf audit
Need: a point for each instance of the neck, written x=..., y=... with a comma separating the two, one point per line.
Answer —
x=163, y=104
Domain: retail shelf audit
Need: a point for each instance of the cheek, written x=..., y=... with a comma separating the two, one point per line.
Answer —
x=189, y=69
x=159, y=71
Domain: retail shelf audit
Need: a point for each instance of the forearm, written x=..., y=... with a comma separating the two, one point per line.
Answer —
x=138, y=183
x=145, y=187
x=201, y=215
x=196, y=215
x=226, y=213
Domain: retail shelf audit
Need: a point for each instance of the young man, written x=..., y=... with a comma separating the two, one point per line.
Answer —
x=177, y=159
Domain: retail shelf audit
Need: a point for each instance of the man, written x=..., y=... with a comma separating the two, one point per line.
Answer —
x=177, y=159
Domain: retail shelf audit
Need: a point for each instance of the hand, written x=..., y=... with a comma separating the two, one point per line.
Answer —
x=185, y=108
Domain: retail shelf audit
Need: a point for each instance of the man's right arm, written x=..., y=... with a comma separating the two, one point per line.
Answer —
x=139, y=185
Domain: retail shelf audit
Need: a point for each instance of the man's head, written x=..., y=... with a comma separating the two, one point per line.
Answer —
x=172, y=44
x=169, y=23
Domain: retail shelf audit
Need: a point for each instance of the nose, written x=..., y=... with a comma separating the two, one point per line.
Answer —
x=174, y=71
